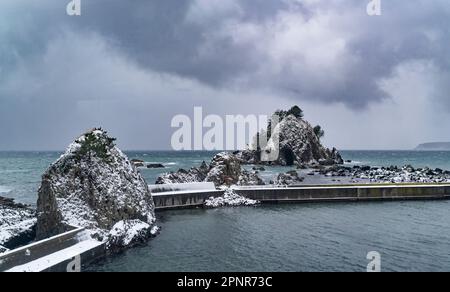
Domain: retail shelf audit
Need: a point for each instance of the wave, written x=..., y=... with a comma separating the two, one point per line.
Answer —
x=354, y=162
x=4, y=190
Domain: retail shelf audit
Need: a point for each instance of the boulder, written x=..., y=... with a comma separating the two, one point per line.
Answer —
x=92, y=185
x=155, y=165
x=128, y=233
x=289, y=178
x=249, y=178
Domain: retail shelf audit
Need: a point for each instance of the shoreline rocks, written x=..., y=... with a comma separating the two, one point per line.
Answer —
x=288, y=178
x=391, y=174
x=129, y=233
x=92, y=185
x=17, y=223
x=155, y=165
x=224, y=169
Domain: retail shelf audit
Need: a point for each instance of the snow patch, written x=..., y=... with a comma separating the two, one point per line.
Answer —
x=127, y=233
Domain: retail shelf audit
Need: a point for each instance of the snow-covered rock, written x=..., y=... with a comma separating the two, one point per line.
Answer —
x=229, y=199
x=17, y=223
x=129, y=233
x=392, y=174
x=298, y=144
x=225, y=169
x=92, y=185
x=288, y=178
x=195, y=174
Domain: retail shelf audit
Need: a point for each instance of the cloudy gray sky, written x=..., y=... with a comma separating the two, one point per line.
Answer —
x=130, y=66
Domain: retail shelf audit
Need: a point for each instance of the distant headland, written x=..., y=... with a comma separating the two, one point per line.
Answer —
x=440, y=146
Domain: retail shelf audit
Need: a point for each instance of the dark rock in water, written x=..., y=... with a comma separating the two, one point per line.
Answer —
x=259, y=168
x=225, y=169
x=17, y=223
x=289, y=178
x=348, y=161
x=248, y=178
x=195, y=174
x=93, y=185
x=155, y=165
x=298, y=144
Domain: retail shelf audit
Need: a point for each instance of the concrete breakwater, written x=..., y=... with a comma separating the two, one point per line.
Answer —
x=310, y=194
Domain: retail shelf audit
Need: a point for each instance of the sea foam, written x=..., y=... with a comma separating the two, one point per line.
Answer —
x=4, y=190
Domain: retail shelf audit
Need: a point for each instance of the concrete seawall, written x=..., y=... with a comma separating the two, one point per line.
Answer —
x=183, y=200
x=347, y=193
x=311, y=194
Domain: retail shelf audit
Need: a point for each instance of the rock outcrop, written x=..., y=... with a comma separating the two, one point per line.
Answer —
x=17, y=223
x=224, y=169
x=298, y=142
x=129, y=233
x=288, y=178
x=93, y=185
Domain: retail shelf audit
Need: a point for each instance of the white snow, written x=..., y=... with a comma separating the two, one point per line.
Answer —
x=155, y=230
x=230, y=198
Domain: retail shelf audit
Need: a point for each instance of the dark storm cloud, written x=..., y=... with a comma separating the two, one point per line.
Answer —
x=172, y=54
x=202, y=40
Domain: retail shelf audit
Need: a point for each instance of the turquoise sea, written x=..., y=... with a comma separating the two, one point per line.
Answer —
x=410, y=236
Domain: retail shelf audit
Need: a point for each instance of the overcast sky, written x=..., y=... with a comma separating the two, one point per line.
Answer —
x=380, y=82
